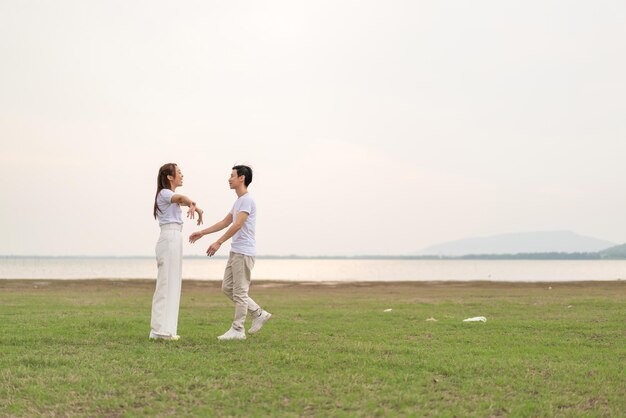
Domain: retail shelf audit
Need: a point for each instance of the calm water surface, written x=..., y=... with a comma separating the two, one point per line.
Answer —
x=322, y=269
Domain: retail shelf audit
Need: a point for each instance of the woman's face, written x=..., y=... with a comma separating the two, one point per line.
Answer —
x=178, y=179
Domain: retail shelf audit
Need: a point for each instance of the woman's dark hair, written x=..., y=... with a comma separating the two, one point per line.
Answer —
x=163, y=182
x=244, y=170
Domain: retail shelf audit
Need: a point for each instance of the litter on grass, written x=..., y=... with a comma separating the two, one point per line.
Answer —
x=388, y=310
x=476, y=319
x=431, y=319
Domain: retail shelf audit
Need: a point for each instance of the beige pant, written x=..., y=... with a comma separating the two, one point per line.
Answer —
x=236, y=284
x=166, y=299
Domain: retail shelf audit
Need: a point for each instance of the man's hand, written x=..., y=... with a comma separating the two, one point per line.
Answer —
x=213, y=249
x=195, y=236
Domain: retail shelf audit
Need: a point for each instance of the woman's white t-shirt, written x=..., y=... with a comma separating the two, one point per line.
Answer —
x=169, y=212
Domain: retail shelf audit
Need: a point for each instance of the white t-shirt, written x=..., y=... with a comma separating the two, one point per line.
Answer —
x=243, y=241
x=169, y=213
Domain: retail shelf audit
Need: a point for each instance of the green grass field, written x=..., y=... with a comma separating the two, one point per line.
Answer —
x=80, y=348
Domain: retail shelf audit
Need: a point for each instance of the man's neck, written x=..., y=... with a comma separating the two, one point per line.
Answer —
x=241, y=191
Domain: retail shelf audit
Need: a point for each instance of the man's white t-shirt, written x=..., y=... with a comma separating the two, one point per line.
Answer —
x=243, y=241
x=169, y=212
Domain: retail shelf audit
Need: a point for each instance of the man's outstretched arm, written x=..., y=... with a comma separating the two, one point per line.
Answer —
x=236, y=226
x=214, y=228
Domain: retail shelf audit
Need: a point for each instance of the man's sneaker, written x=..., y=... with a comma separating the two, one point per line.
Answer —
x=232, y=334
x=259, y=321
x=155, y=336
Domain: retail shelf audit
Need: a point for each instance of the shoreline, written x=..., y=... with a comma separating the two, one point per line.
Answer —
x=328, y=270
x=266, y=283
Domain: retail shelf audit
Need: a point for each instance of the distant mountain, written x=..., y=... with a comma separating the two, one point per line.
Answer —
x=524, y=242
x=617, y=252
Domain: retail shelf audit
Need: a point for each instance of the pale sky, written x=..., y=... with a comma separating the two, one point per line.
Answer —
x=373, y=127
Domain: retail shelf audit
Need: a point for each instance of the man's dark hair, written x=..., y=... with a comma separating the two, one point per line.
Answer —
x=244, y=170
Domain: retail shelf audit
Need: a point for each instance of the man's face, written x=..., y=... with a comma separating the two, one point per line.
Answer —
x=234, y=181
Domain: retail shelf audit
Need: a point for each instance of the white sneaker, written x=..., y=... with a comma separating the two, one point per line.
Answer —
x=259, y=321
x=155, y=336
x=232, y=334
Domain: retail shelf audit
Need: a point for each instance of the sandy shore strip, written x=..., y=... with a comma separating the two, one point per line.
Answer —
x=434, y=289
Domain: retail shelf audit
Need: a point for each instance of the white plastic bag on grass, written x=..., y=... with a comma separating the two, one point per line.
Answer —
x=476, y=319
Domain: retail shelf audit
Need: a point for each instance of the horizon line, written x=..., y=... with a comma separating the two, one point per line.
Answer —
x=531, y=255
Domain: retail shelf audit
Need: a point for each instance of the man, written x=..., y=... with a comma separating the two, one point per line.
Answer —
x=237, y=275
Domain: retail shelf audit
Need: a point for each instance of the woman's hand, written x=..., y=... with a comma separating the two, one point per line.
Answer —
x=199, y=212
x=191, y=212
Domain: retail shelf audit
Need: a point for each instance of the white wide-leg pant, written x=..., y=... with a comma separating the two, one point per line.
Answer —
x=166, y=299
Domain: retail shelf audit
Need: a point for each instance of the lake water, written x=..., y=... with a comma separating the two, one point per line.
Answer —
x=322, y=270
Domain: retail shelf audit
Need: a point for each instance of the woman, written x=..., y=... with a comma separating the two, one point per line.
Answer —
x=169, y=251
